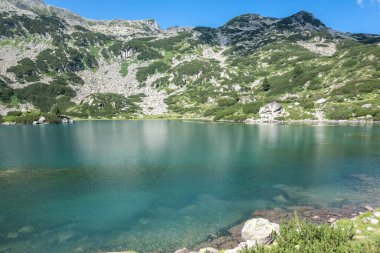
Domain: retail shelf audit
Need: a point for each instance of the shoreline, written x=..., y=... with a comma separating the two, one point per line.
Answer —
x=247, y=122
x=231, y=237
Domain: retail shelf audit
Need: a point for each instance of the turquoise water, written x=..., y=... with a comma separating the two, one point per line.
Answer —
x=163, y=185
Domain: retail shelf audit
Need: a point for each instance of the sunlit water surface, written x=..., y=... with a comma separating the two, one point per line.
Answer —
x=163, y=185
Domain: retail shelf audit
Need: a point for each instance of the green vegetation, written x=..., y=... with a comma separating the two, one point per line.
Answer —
x=255, y=69
x=124, y=68
x=44, y=96
x=300, y=236
x=109, y=105
x=156, y=67
x=25, y=70
x=266, y=85
x=6, y=92
x=12, y=25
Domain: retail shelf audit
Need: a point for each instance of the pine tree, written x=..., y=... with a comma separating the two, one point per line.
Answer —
x=266, y=85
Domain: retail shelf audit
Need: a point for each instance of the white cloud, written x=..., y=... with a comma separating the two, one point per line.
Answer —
x=361, y=2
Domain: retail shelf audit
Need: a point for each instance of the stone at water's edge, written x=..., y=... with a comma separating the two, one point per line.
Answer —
x=272, y=111
x=259, y=231
x=209, y=250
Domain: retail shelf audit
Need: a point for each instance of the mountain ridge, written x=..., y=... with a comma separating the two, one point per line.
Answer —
x=120, y=68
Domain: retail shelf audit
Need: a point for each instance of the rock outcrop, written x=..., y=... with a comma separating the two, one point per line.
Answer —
x=272, y=111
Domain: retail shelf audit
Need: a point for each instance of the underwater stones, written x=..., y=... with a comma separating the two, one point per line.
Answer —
x=259, y=231
x=280, y=199
x=12, y=235
x=376, y=214
x=65, y=236
x=25, y=230
x=374, y=221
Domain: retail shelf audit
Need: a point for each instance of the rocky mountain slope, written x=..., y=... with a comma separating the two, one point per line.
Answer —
x=51, y=57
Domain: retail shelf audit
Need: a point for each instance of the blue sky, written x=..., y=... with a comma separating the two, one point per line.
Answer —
x=343, y=15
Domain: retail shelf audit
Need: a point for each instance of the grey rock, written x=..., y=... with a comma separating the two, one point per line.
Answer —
x=259, y=231
x=42, y=120
x=209, y=250
x=272, y=111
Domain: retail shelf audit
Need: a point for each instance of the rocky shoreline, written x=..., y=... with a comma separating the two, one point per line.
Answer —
x=247, y=122
x=233, y=236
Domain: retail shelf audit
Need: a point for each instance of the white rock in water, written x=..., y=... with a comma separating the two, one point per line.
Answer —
x=367, y=106
x=377, y=214
x=272, y=111
x=374, y=221
x=259, y=231
x=209, y=250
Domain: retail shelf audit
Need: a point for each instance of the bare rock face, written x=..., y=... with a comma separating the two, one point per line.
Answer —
x=272, y=111
x=259, y=231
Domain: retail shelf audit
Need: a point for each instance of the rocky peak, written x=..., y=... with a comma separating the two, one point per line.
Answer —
x=304, y=18
x=26, y=4
x=248, y=21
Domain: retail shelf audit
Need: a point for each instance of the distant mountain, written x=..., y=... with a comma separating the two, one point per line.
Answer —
x=91, y=68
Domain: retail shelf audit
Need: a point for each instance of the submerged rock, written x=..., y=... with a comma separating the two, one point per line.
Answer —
x=259, y=231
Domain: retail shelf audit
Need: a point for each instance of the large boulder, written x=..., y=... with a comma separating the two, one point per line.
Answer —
x=272, y=111
x=209, y=250
x=259, y=231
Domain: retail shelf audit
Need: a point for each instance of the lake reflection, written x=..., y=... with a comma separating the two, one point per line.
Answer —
x=163, y=185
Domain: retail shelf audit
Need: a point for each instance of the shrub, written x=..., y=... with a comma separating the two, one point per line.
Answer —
x=156, y=67
x=226, y=102
x=45, y=96
x=252, y=108
x=6, y=92
x=338, y=113
x=301, y=236
x=14, y=113
x=25, y=70
x=266, y=85
x=171, y=43
x=307, y=104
